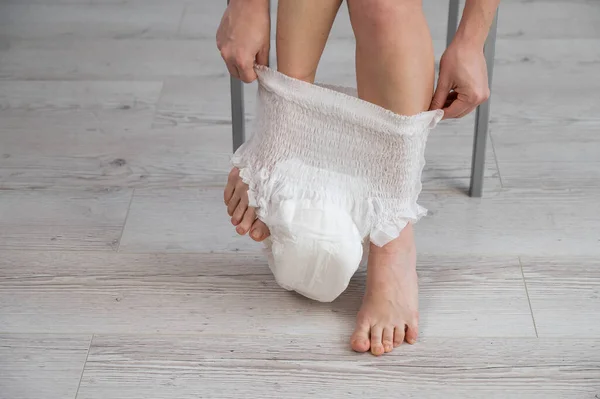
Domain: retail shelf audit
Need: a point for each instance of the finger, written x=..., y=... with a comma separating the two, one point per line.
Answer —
x=247, y=74
x=441, y=94
x=458, y=107
x=450, y=99
x=232, y=70
x=467, y=112
x=262, y=58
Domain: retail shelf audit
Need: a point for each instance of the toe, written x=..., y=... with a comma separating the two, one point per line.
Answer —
x=233, y=203
x=376, y=337
x=246, y=222
x=398, y=335
x=388, y=339
x=412, y=332
x=259, y=231
x=360, y=339
x=229, y=188
x=240, y=211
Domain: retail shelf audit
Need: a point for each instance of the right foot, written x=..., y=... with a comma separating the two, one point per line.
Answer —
x=242, y=215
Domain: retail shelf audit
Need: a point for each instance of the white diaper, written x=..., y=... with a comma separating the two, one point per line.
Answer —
x=325, y=171
x=315, y=247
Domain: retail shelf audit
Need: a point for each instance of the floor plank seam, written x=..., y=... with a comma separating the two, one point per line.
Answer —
x=153, y=117
x=180, y=23
x=83, y=368
x=496, y=159
x=126, y=218
x=528, y=299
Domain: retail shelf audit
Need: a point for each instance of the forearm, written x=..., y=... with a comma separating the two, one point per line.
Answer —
x=476, y=21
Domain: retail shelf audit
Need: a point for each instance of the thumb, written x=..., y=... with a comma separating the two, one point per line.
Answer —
x=441, y=94
x=457, y=109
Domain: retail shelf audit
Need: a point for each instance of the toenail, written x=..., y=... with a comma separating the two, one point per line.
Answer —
x=411, y=341
x=240, y=230
x=255, y=234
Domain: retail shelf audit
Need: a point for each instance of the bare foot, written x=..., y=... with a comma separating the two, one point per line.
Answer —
x=389, y=313
x=242, y=216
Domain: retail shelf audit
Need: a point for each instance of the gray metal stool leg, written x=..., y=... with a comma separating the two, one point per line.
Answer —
x=238, y=123
x=482, y=118
x=238, y=119
x=452, y=20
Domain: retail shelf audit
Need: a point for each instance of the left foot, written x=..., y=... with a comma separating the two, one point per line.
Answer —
x=389, y=313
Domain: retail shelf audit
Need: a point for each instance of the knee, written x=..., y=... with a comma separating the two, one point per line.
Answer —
x=377, y=18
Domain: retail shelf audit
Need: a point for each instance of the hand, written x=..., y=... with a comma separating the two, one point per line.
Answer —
x=243, y=37
x=464, y=71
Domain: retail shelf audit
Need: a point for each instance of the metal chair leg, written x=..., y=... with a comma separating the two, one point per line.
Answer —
x=238, y=124
x=238, y=121
x=482, y=118
x=452, y=20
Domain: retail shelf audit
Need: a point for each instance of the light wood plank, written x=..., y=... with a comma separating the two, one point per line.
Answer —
x=448, y=160
x=41, y=365
x=565, y=295
x=74, y=157
x=552, y=175
x=181, y=220
x=273, y=366
x=192, y=102
x=61, y=219
x=85, y=105
x=520, y=222
x=84, y=21
x=148, y=293
x=523, y=110
x=107, y=59
x=542, y=142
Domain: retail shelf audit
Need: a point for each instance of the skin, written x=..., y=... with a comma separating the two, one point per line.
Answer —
x=463, y=81
x=395, y=69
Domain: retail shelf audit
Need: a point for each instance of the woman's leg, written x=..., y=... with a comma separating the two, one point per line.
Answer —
x=395, y=69
x=302, y=30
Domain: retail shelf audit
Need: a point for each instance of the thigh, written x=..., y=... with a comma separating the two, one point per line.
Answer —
x=303, y=27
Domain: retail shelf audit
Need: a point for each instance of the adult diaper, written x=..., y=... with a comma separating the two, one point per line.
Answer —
x=327, y=171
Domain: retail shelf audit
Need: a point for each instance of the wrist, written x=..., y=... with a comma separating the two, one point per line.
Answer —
x=472, y=38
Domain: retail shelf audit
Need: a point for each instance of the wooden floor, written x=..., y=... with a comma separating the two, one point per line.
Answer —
x=121, y=278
